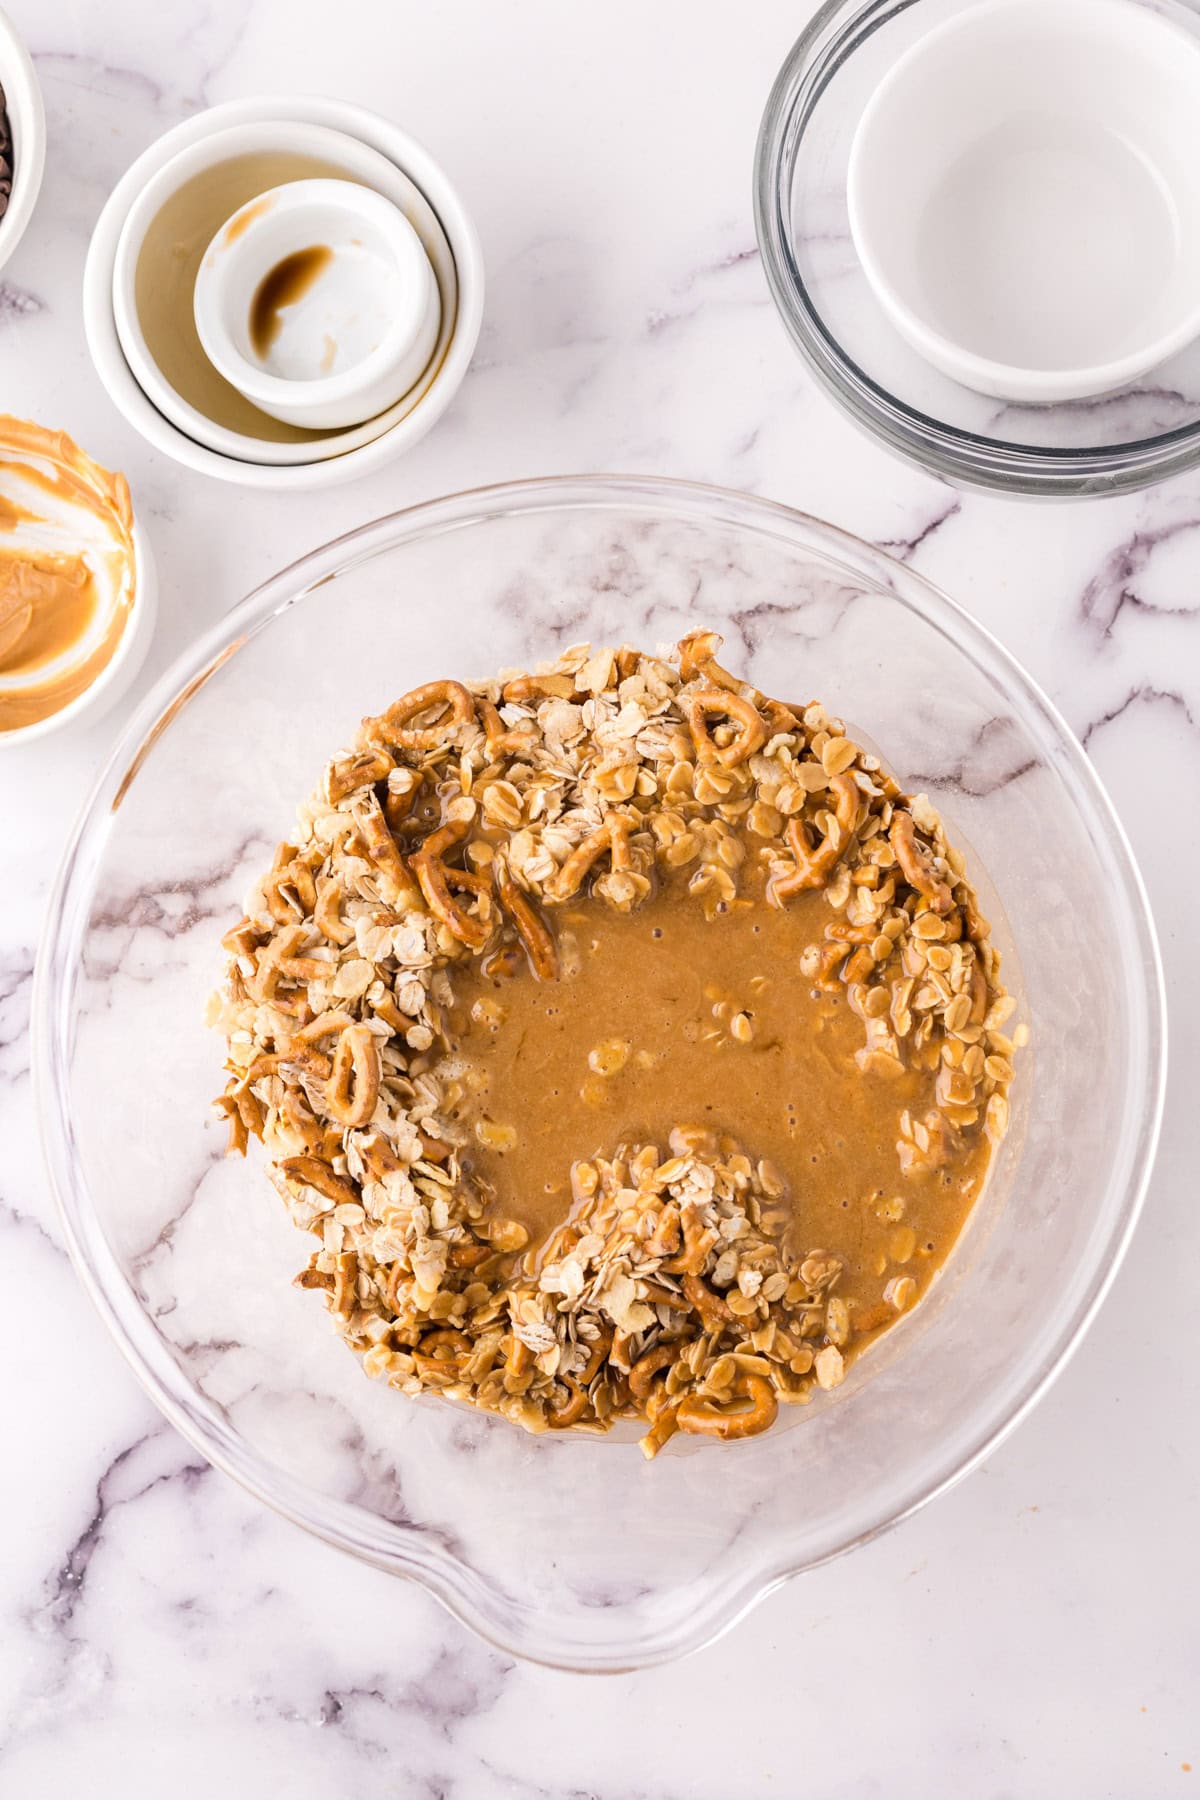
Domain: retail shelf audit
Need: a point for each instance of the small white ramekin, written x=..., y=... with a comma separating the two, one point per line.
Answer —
x=117, y=675
x=386, y=280
x=368, y=451
x=1024, y=195
x=27, y=122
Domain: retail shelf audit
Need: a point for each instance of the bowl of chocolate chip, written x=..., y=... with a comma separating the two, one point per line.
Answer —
x=642, y=1064
x=22, y=138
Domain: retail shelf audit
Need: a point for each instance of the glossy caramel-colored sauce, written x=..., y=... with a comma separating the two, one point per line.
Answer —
x=63, y=610
x=658, y=998
x=282, y=287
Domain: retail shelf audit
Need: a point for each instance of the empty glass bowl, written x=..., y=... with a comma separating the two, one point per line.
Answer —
x=1109, y=443
x=578, y=1553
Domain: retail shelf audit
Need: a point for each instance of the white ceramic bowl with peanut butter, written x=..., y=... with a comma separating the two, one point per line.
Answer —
x=78, y=596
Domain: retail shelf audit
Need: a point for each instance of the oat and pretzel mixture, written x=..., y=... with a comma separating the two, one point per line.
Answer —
x=456, y=827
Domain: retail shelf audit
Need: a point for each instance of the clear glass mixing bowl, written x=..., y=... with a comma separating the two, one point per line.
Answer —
x=578, y=1553
x=1074, y=448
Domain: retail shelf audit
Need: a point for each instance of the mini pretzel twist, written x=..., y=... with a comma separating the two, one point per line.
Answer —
x=815, y=863
x=715, y=1314
x=612, y=835
x=702, y=1416
x=353, y=1086
x=532, y=929
x=437, y=879
x=279, y=962
x=916, y=863
x=450, y=700
x=751, y=730
x=698, y=1240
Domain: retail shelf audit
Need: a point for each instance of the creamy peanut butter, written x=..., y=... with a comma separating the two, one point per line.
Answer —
x=67, y=570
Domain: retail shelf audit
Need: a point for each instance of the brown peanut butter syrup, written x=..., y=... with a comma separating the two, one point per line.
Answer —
x=67, y=570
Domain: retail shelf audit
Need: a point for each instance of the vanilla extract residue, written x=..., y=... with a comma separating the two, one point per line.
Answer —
x=282, y=287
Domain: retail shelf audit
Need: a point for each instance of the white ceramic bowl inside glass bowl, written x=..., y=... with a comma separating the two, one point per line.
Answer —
x=846, y=52
x=578, y=1553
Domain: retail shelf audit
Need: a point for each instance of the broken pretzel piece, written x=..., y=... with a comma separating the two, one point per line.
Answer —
x=815, y=863
x=315, y=1172
x=532, y=929
x=403, y=788
x=540, y=687
x=381, y=846
x=363, y=769
x=501, y=739
x=611, y=837
x=916, y=863
x=698, y=656
x=437, y=879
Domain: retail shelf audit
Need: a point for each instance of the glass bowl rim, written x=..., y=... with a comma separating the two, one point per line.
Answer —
x=964, y=457
x=500, y=1620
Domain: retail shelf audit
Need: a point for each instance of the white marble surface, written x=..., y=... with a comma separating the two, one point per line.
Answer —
x=1033, y=1633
